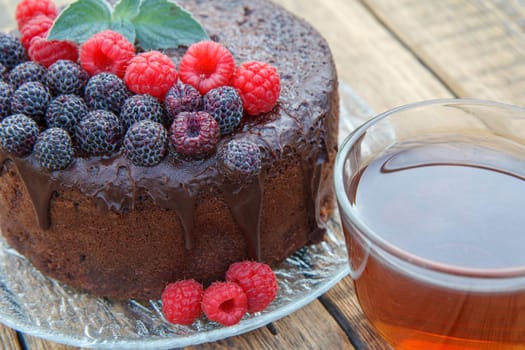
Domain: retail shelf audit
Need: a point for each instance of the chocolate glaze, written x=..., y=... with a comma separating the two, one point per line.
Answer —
x=302, y=126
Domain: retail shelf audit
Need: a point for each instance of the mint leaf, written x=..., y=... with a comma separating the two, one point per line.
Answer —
x=123, y=13
x=163, y=24
x=124, y=27
x=80, y=20
x=126, y=10
x=156, y=24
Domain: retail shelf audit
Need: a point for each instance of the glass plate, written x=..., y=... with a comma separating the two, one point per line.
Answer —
x=42, y=307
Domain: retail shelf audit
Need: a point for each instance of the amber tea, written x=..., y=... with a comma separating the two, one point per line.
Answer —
x=449, y=217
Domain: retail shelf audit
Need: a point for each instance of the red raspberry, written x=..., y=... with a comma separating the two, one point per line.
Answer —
x=206, y=65
x=47, y=52
x=151, y=73
x=194, y=133
x=257, y=280
x=259, y=86
x=36, y=26
x=27, y=9
x=106, y=51
x=224, y=302
x=181, y=302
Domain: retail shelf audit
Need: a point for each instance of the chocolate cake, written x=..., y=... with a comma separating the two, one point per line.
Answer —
x=118, y=230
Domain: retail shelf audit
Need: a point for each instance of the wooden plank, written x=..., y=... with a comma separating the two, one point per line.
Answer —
x=343, y=297
x=301, y=330
x=381, y=70
x=9, y=339
x=368, y=57
x=477, y=48
x=501, y=74
x=514, y=9
x=33, y=343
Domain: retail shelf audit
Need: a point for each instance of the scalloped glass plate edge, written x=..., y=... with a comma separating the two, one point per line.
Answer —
x=300, y=283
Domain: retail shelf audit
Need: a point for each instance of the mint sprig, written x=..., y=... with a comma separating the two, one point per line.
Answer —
x=80, y=20
x=155, y=24
x=156, y=20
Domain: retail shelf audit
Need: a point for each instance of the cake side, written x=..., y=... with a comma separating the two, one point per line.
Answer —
x=119, y=230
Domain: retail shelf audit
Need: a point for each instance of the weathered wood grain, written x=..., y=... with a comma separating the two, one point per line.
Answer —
x=34, y=343
x=312, y=327
x=308, y=328
x=475, y=47
x=9, y=339
x=343, y=298
x=382, y=71
x=369, y=58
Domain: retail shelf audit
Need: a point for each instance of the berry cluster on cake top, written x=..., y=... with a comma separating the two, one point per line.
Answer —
x=66, y=93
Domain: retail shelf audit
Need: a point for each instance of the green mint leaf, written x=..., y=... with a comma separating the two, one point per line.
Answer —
x=80, y=20
x=123, y=13
x=126, y=10
x=163, y=24
x=124, y=27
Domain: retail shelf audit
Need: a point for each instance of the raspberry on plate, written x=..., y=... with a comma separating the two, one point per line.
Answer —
x=206, y=65
x=259, y=86
x=151, y=73
x=225, y=105
x=194, y=133
x=54, y=149
x=47, y=52
x=106, y=51
x=28, y=9
x=145, y=143
x=225, y=303
x=181, y=302
x=257, y=280
x=36, y=27
x=18, y=134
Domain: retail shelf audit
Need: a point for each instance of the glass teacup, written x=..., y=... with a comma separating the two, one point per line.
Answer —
x=432, y=197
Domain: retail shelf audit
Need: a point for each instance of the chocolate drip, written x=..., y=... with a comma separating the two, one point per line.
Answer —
x=39, y=187
x=176, y=186
x=115, y=184
x=245, y=203
x=183, y=203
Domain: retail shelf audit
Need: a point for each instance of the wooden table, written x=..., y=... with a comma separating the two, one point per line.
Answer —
x=388, y=52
